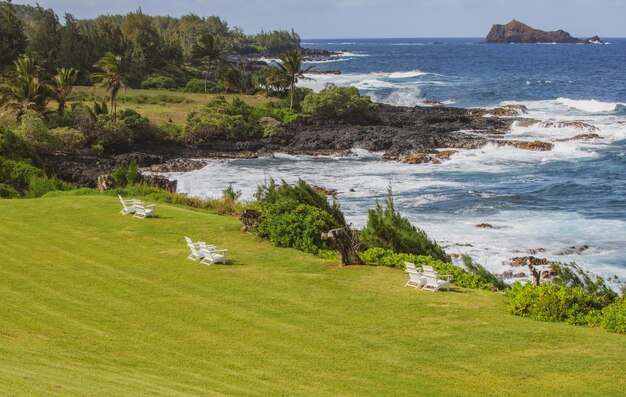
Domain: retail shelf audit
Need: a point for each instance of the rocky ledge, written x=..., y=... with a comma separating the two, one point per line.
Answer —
x=518, y=32
x=412, y=135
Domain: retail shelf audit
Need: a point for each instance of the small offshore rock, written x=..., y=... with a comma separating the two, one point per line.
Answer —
x=581, y=137
x=576, y=124
x=484, y=226
x=538, y=146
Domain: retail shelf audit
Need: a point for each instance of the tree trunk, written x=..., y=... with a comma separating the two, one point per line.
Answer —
x=114, y=105
x=206, y=78
x=293, y=86
x=345, y=243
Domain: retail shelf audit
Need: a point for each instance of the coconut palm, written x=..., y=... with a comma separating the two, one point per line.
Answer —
x=63, y=85
x=111, y=76
x=210, y=51
x=22, y=89
x=290, y=66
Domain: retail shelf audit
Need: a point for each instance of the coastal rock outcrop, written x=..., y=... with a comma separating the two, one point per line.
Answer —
x=518, y=32
x=528, y=145
x=433, y=157
x=576, y=124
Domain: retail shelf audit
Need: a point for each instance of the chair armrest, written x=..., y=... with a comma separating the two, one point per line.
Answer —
x=218, y=251
x=446, y=276
x=149, y=206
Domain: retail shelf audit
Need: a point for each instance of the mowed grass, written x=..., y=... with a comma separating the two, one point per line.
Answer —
x=98, y=304
x=160, y=113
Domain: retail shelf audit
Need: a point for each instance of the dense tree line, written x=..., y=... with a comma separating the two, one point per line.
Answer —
x=151, y=45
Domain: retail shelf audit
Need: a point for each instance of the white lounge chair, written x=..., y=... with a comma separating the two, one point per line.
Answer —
x=416, y=280
x=434, y=282
x=212, y=257
x=197, y=249
x=128, y=206
x=143, y=211
x=427, y=268
x=410, y=266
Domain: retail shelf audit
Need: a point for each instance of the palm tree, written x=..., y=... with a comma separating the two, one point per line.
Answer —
x=290, y=66
x=63, y=85
x=111, y=76
x=22, y=90
x=210, y=51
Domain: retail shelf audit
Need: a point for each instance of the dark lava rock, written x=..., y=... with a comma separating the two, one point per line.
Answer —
x=518, y=32
x=528, y=261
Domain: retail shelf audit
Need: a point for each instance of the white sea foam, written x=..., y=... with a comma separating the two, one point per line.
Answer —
x=407, y=75
x=591, y=105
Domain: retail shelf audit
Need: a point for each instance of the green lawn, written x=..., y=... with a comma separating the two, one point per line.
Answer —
x=164, y=112
x=95, y=303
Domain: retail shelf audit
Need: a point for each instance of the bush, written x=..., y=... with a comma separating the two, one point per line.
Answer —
x=7, y=191
x=550, y=302
x=155, y=81
x=70, y=138
x=124, y=176
x=387, y=228
x=335, y=101
x=34, y=132
x=17, y=173
x=111, y=131
x=170, y=130
x=460, y=277
x=40, y=185
x=197, y=86
x=288, y=223
x=12, y=146
x=296, y=216
x=614, y=316
x=222, y=119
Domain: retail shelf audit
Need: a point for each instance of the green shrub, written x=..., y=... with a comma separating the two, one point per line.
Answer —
x=288, y=223
x=155, y=81
x=387, y=228
x=614, y=316
x=170, y=130
x=111, y=131
x=40, y=185
x=17, y=173
x=550, y=302
x=335, y=101
x=296, y=216
x=97, y=149
x=197, y=86
x=222, y=119
x=12, y=146
x=124, y=176
x=460, y=277
x=34, y=132
x=7, y=191
x=70, y=138
x=231, y=194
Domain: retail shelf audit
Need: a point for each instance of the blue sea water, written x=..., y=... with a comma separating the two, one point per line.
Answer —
x=541, y=203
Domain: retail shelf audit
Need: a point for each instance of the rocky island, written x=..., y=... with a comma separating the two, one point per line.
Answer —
x=518, y=32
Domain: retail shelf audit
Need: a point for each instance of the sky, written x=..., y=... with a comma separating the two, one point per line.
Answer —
x=376, y=18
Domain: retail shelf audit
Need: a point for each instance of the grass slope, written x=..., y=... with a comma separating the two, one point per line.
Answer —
x=94, y=303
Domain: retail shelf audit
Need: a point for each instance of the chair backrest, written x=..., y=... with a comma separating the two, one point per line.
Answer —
x=140, y=208
x=188, y=240
x=414, y=276
x=409, y=266
x=427, y=268
x=431, y=279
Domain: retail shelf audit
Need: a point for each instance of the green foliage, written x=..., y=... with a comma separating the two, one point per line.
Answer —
x=288, y=223
x=197, y=85
x=572, y=275
x=44, y=38
x=461, y=277
x=231, y=194
x=155, y=81
x=276, y=41
x=12, y=146
x=111, y=131
x=12, y=38
x=478, y=269
x=70, y=139
x=335, y=101
x=17, y=173
x=8, y=192
x=34, y=132
x=161, y=99
x=40, y=185
x=97, y=149
x=222, y=119
x=125, y=176
x=171, y=130
x=550, y=302
x=296, y=216
x=387, y=228
x=614, y=316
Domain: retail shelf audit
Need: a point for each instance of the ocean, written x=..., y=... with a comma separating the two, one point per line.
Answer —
x=567, y=205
